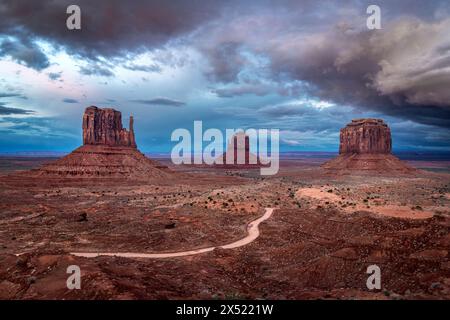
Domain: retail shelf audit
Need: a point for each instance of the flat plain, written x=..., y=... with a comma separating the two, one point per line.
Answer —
x=325, y=231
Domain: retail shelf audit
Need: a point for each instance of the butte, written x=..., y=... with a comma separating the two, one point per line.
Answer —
x=108, y=151
x=366, y=146
x=238, y=154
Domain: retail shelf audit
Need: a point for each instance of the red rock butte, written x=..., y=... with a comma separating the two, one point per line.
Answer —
x=365, y=136
x=108, y=150
x=104, y=127
x=366, y=145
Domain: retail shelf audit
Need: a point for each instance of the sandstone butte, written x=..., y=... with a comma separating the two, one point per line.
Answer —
x=238, y=154
x=366, y=145
x=108, y=150
x=104, y=127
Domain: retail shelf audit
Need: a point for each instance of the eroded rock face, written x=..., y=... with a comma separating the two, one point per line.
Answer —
x=104, y=127
x=365, y=146
x=238, y=152
x=365, y=136
x=238, y=147
x=109, y=151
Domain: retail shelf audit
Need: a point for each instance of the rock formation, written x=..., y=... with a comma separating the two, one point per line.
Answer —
x=366, y=145
x=108, y=150
x=365, y=136
x=104, y=127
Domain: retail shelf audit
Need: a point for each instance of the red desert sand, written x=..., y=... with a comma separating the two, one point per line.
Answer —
x=115, y=208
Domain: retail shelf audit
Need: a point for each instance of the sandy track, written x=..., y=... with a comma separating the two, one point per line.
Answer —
x=252, y=230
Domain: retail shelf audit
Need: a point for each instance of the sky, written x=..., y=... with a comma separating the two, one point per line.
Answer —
x=304, y=67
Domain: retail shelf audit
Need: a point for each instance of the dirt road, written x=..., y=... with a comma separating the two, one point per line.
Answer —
x=252, y=230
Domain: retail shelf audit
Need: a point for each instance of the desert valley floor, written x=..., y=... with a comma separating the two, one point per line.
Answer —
x=325, y=231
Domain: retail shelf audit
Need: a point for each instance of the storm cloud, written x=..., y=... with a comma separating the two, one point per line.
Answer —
x=259, y=56
x=109, y=28
x=9, y=95
x=402, y=70
x=161, y=102
x=24, y=52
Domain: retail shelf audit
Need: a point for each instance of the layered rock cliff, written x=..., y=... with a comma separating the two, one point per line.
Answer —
x=365, y=146
x=365, y=136
x=238, y=153
x=104, y=127
x=108, y=151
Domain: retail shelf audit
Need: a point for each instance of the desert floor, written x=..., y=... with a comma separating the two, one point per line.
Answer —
x=325, y=231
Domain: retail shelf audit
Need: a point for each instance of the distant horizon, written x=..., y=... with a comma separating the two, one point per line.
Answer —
x=403, y=155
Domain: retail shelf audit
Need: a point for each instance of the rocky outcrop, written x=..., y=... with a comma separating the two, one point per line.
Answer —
x=238, y=153
x=104, y=127
x=238, y=150
x=100, y=161
x=108, y=151
x=365, y=146
x=365, y=136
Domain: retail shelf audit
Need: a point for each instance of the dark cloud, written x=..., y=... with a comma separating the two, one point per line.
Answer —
x=145, y=68
x=54, y=75
x=24, y=52
x=226, y=61
x=4, y=110
x=401, y=70
x=161, y=102
x=109, y=28
x=380, y=72
x=96, y=70
x=377, y=70
x=9, y=95
x=69, y=100
x=24, y=126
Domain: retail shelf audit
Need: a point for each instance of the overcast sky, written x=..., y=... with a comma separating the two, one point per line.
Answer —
x=304, y=67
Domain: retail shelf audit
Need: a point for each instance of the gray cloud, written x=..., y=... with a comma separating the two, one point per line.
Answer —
x=96, y=70
x=225, y=61
x=24, y=52
x=9, y=95
x=161, y=102
x=4, y=110
x=109, y=28
x=145, y=68
x=244, y=89
x=54, y=75
x=69, y=100
x=401, y=70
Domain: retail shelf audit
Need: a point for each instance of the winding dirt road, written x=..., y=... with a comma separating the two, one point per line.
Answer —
x=252, y=230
